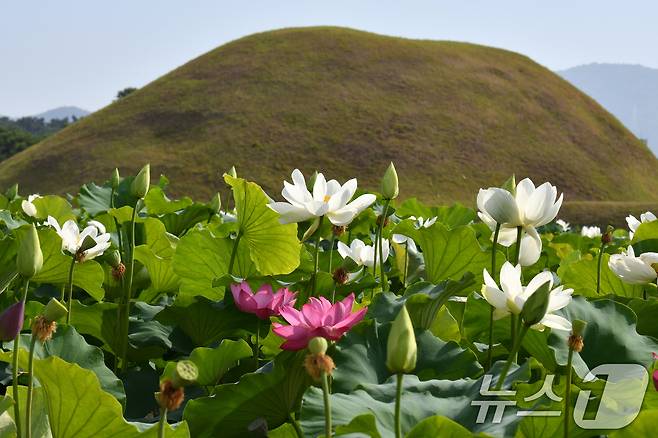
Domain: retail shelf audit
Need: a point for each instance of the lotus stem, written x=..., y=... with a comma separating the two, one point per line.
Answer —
x=234, y=252
x=327, y=405
x=331, y=251
x=30, y=389
x=512, y=356
x=161, y=424
x=69, y=301
x=406, y=263
x=567, y=395
x=127, y=293
x=257, y=345
x=398, y=399
x=316, y=265
x=379, y=242
x=598, y=269
x=517, y=255
x=296, y=426
x=491, y=310
x=14, y=370
x=117, y=225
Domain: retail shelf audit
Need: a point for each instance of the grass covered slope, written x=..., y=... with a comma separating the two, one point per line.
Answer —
x=452, y=116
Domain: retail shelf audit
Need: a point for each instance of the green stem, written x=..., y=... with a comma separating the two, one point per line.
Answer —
x=519, y=232
x=567, y=395
x=296, y=426
x=381, y=252
x=316, y=258
x=234, y=252
x=162, y=423
x=257, y=345
x=127, y=292
x=598, y=269
x=14, y=371
x=331, y=251
x=491, y=310
x=30, y=388
x=327, y=405
x=398, y=402
x=514, y=322
x=406, y=263
x=117, y=226
x=69, y=301
x=513, y=353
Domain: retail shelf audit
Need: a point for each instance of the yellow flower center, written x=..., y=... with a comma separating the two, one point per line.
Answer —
x=327, y=198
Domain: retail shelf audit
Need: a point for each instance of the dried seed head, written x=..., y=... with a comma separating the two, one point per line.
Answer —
x=379, y=221
x=316, y=364
x=119, y=271
x=43, y=329
x=340, y=276
x=338, y=230
x=576, y=343
x=170, y=397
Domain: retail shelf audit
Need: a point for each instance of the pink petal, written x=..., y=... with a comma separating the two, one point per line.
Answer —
x=292, y=315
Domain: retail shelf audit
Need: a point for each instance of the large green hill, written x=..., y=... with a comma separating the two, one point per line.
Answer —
x=452, y=116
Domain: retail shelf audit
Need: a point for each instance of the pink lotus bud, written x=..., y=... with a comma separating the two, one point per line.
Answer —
x=655, y=379
x=11, y=321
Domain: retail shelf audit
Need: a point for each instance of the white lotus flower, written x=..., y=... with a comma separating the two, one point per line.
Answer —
x=28, y=207
x=633, y=223
x=512, y=295
x=362, y=254
x=401, y=239
x=73, y=238
x=328, y=199
x=420, y=222
x=592, y=232
x=531, y=244
x=530, y=206
x=634, y=270
x=564, y=225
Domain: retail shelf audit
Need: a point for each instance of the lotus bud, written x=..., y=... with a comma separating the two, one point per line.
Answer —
x=510, y=185
x=318, y=345
x=11, y=321
x=54, y=310
x=30, y=258
x=116, y=179
x=185, y=373
x=233, y=172
x=536, y=305
x=113, y=258
x=401, y=348
x=141, y=183
x=390, y=187
x=216, y=203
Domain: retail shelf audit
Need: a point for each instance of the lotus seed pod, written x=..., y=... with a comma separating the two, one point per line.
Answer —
x=141, y=183
x=401, y=348
x=390, y=187
x=30, y=258
x=318, y=345
x=185, y=373
x=54, y=310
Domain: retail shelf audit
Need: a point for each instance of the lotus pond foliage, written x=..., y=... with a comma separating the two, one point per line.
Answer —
x=328, y=312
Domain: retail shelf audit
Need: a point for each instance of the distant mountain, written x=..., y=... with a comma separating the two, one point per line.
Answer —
x=63, y=112
x=630, y=92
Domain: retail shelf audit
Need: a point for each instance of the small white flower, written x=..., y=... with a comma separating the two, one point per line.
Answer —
x=28, y=207
x=401, y=239
x=633, y=223
x=564, y=225
x=329, y=199
x=73, y=238
x=362, y=254
x=634, y=270
x=592, y=232
x=512, y=296
x=420, y=222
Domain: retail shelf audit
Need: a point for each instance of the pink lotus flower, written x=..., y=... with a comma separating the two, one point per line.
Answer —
x=655, y=379
x=264, y=303
x=318, y=317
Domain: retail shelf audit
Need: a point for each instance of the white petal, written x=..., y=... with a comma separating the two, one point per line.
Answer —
x=290, y=213
x=319, y=188
x=530, y=248
x=556, y=322
x=510, y=279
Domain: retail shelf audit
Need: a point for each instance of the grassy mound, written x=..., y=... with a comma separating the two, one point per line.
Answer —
x=452, y=116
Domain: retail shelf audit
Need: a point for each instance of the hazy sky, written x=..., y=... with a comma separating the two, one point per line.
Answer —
x=76, y=52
